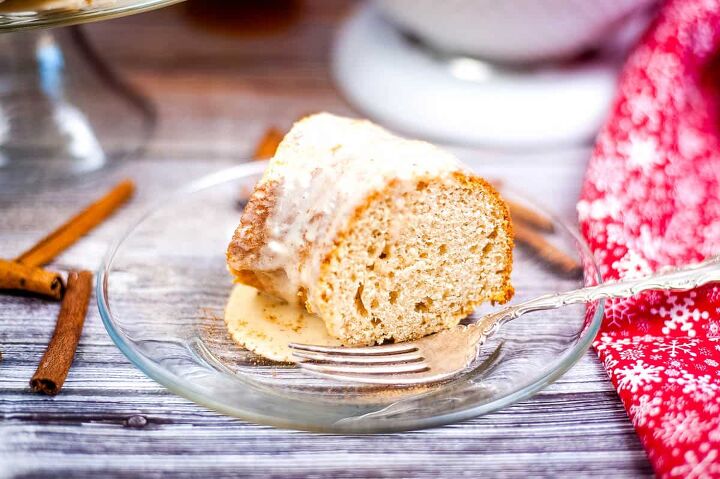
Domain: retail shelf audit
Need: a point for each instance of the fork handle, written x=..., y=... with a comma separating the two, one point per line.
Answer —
x=676, y=279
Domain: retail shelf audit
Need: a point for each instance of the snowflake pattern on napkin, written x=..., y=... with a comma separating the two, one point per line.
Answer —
x=651, y=198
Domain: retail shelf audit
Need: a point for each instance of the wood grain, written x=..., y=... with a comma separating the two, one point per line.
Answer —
x=216, y=95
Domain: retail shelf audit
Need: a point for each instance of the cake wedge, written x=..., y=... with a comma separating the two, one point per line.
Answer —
x=383, y=238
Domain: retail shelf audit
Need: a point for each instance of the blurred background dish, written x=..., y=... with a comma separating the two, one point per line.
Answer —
x=514, y=31
x=507, y=75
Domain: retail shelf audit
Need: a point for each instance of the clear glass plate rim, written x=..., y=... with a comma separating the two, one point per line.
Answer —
x=182, y=389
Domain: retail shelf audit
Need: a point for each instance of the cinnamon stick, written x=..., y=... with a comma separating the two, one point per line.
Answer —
x=546, y=250
x=20, y=277
x=55, y=364
x=521, y=213
x=67, y=234
x=268, y=144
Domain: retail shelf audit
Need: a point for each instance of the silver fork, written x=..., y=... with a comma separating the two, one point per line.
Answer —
x=448, y=353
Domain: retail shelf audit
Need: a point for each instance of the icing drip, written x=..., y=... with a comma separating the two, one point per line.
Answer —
x=325, y=168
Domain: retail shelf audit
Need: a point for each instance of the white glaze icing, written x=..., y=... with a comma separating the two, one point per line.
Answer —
x=326, y=167
x=267, y=325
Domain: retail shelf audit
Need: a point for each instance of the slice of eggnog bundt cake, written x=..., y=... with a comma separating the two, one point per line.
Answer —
x=383, y=238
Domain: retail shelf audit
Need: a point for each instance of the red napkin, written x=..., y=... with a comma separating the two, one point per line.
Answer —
x=651, y=198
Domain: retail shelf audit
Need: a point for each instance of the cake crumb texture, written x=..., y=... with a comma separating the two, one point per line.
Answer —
x=416, y=260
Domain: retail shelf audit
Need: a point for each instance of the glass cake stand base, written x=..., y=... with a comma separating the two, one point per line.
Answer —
x=63, y=112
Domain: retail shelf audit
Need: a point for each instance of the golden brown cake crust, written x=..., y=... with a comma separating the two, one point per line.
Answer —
x=250, y=237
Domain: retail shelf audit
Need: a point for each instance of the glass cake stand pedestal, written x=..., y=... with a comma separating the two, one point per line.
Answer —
x=63, y=112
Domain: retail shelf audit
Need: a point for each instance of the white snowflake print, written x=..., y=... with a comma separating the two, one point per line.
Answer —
x=648, y=242
x=632, y=265
x=700, y=387
x=712, y=246
x=619, y=312
x=606, y=175
x=663, y=68
x=637, y=191
x=675, y=346
x=692, y=191
x=714, y=434
x=655, y=297
x=713, y=329
x=680, y=317
x=713, y=408
x=642, y=106
x=712, y=363
x=714, y=295
x=681, y=427
x=632, y=220
x=690, y=143
x=642, y=153
x=607, y=341
x=675, y=403
x=646, y=408
x=639, y=374
x=609, y=363
x=606, y=207
x=633, y=354
x=615, y=234
x=702, y=466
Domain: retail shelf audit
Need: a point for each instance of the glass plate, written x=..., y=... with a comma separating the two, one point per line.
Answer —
x=162, y=291
x=23, y=14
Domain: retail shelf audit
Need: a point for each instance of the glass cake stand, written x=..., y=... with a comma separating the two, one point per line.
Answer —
x=63, y=112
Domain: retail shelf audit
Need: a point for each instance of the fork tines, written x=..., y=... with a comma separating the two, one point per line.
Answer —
x=375, y=364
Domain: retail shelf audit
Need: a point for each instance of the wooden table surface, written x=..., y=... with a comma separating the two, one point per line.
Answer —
x=216, y=92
